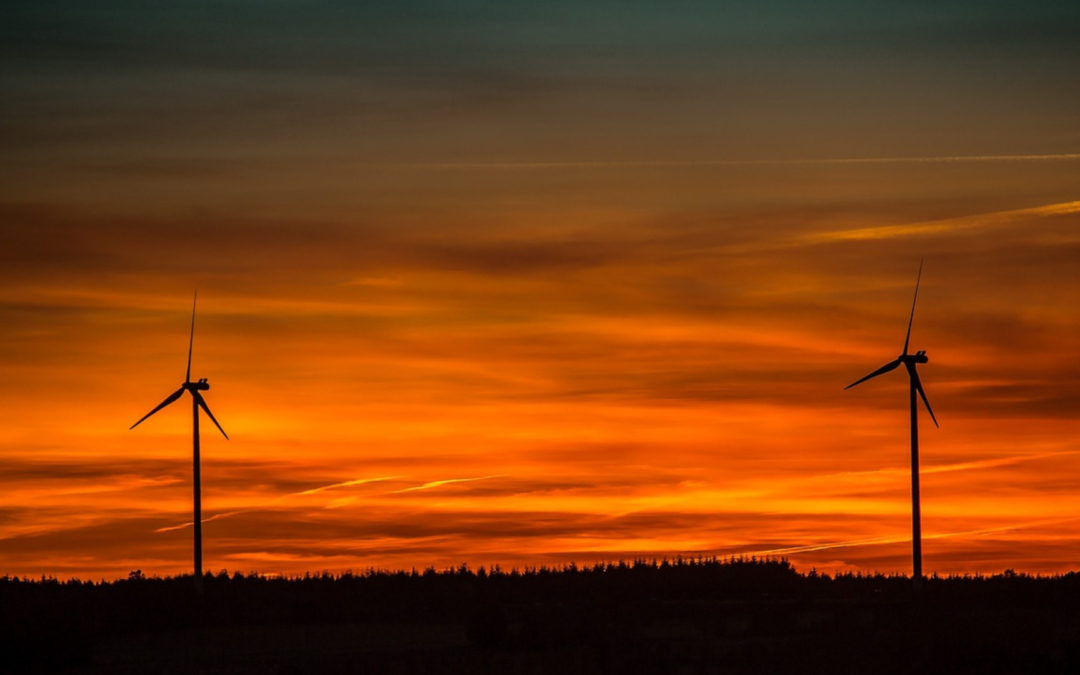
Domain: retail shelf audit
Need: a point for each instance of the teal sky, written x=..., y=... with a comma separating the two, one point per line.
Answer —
x=515, y=81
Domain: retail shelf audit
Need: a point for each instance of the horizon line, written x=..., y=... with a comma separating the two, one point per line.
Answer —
x=689, y=559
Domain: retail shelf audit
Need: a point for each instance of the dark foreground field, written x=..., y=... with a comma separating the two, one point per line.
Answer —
x=742, y=616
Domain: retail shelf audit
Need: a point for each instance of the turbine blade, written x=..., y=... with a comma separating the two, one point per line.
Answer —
x=191, y=342
x=907, y=339
x=202, y=404
x=880, y=371
x=171, y=399
x=918, y=388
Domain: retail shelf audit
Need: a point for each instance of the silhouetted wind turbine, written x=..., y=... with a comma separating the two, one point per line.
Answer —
x=197, y=402
x=909, y=361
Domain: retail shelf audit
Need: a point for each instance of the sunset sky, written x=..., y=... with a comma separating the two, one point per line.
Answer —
x=530, y=283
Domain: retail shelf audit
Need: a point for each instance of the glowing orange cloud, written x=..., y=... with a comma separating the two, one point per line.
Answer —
x=597, y=381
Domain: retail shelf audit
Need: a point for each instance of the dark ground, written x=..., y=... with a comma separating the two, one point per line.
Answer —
x=688, y=616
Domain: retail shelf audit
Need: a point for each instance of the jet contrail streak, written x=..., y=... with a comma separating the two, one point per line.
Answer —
x=897, y=540
x=838, y=544
x=944, y=226
x=205, y=520
x=278, y=500
x=675, y=164
x=992, y=463
x=437, y=483
x=945, y=468
x=347, y=483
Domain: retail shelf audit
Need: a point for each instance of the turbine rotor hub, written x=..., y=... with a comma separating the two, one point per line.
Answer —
x=917, y=357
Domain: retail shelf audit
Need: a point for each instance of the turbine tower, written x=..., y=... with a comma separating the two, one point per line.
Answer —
x=197, y=402
x=910, y=361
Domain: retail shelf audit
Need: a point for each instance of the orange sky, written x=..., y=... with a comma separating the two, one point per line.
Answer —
x=449, y=322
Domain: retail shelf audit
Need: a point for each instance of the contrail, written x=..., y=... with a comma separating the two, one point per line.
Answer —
x=660, y=164
x=993, y=463
x=437, y=483
x=278, y=500
x=205, y=520
x=347, y=483
x=944, y=226
x=927, y=227
x=903, y=539
x=945, y=468
x=837, y=544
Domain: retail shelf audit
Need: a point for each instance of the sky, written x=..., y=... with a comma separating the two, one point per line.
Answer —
x=529, y=284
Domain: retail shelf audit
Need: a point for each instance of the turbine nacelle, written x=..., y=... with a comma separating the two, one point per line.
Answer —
x=201, y=385
x=917, y=357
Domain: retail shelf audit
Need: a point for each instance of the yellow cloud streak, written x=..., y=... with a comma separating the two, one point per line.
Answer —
x=347, y=483
x=437, y=483
x=892, y=472
x=217, y=516
x=15, y=497
x=944, y=226
x=900, y=539
x=992, y=463
x=280, y=499
x=676, y=164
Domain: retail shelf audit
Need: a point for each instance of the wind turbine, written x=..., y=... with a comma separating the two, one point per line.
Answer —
x=197, y=402
x=910, y=361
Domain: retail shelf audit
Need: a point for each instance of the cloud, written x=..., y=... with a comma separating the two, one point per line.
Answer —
x=216, y=516
x=705, y=163
x=348, y=483
x=950, y=225
x=439, y=483
x=273, y=503
x=879, y=541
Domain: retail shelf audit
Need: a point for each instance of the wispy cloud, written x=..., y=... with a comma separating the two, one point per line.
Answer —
x=899, y=539
x=883, y=234
x=437, y=483
x=705, y=163
x=822, y=484
x=992, y=463
x=359, y=481
x=217, y=516
x=958, y=466
x=277, y=500
x=945, y=226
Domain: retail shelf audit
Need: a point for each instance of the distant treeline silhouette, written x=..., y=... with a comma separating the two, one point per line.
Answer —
x=745, y=614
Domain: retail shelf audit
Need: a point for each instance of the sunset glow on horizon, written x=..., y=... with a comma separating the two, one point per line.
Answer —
x=491, y=288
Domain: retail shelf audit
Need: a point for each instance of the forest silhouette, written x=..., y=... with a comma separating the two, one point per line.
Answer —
x=706, y=615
